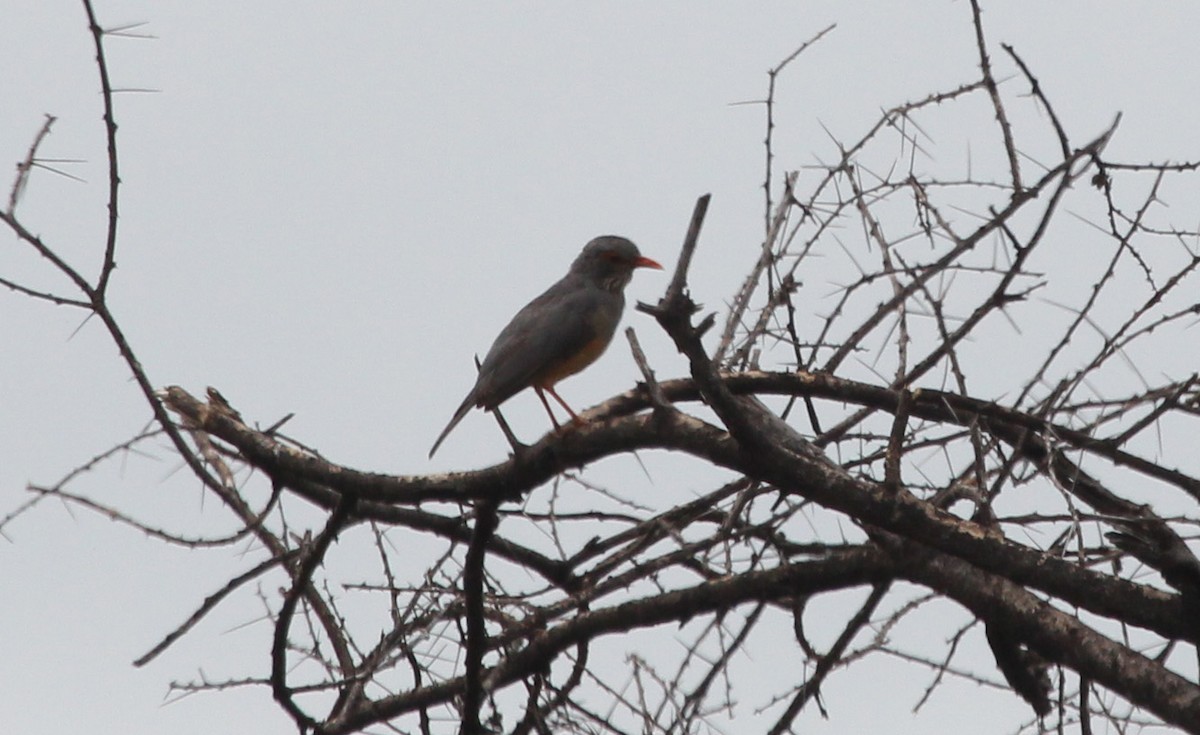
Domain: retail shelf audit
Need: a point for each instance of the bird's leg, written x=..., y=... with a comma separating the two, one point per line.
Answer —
x=538, y=389
x=574, y=418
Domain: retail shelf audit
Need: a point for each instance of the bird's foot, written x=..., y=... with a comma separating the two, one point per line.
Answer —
x=575, y=423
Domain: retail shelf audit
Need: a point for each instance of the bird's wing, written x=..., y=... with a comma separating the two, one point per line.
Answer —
x=552, y=329
x=509, y=365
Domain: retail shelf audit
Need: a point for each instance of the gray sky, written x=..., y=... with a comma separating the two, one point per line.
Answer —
x=328, y=208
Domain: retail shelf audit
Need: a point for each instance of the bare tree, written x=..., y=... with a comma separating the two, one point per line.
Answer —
x=967, y=422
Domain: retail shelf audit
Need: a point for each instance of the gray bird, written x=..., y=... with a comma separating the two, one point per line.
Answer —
x=559, y=333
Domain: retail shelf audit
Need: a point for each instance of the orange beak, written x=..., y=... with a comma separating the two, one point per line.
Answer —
x=643, y=262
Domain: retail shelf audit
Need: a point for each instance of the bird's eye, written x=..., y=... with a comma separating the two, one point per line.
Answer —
x=612, y=257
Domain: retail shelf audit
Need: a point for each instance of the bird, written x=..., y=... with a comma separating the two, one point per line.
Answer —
x=559, y=333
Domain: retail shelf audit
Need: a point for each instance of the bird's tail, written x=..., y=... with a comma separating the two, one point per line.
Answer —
x=467, y=404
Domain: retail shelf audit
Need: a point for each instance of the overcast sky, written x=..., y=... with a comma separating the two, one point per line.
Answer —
x=328, y=208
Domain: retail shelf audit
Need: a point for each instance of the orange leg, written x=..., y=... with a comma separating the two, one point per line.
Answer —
x=538, y=389
x=574, y=418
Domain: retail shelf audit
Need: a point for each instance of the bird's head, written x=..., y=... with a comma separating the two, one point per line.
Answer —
x=609, y=261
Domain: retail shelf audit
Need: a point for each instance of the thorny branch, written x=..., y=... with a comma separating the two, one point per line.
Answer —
x=995, y=439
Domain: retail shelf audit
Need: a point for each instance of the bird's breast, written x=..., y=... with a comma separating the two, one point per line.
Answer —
x=590, y=352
